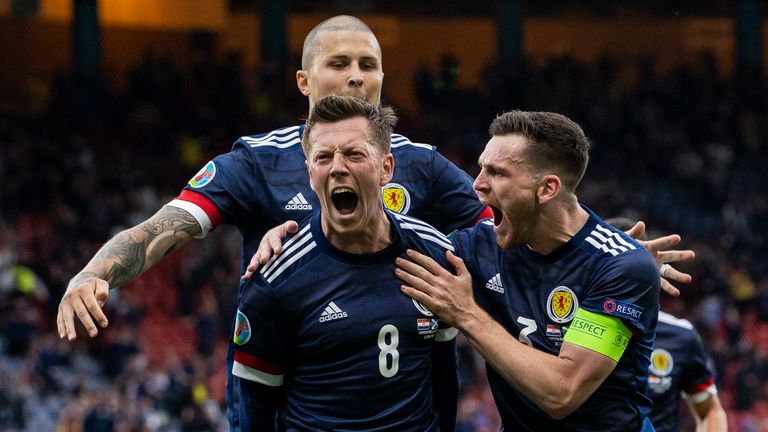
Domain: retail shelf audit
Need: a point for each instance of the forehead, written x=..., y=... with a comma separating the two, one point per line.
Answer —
x=344, y=133
x=504, y=150
x=352, y=43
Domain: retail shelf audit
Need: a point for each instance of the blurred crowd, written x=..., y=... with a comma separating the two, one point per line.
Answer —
x=83, y=158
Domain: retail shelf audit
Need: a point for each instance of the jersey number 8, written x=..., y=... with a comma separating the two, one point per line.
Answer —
x=388, y=368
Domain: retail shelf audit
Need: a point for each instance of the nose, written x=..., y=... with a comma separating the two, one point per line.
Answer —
x=355, y=76
x=481, y=184
x=339, y=166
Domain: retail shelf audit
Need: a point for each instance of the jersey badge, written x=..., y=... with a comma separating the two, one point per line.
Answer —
x=661, y=362
x=427, y=327
x=423, y=309
x=562, y=304
x=623, y=310
x=204, y=176
x=242, y=329
x=396, y=198
x=555, y=334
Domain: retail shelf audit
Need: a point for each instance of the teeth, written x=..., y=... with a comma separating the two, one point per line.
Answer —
x=342, y=190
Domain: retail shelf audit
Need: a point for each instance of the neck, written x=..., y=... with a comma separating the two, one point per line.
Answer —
x=373, y=235
x=558, y=223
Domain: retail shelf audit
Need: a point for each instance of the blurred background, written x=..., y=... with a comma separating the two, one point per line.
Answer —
x=108, y=107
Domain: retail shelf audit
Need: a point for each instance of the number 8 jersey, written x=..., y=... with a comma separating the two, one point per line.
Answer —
x=326, y=338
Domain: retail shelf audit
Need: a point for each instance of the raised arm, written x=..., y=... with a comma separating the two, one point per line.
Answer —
x=126, y=256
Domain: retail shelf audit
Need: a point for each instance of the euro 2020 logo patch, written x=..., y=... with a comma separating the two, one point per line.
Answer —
x=396, y=198
x=204, y=176
x=661, y=362
x=562, y=304
x=242, y=329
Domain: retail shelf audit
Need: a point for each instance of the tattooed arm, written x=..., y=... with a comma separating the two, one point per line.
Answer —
x=123, y=258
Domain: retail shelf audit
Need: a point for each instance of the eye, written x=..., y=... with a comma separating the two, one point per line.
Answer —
x=356, y=156
x=321, y=157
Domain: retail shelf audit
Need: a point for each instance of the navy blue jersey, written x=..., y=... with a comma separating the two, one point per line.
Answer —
x=536, y=296
x=678, y=364
x=263, y=182
x=333, y=330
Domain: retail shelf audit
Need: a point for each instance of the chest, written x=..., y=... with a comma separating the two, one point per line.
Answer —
x=536, y=303
x=359, y=309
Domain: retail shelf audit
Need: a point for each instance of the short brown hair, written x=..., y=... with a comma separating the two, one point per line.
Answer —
x=555, y=143
x=337, y=23
x=331, y=109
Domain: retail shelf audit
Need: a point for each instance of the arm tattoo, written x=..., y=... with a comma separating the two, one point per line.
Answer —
x=135, y=250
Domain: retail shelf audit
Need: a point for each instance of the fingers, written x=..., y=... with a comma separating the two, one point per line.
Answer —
x=457, y=263
x=96, y=304
x=430, y=266
x=64, y=320
x=662, y=243
x=671, y=273
x=417, y=295
x=412, y=274
x=291, y=227
x=85, y=302
x=669, y=288
x=637, y=231
x=256, y=262
x=670, y=256
x=270, y=245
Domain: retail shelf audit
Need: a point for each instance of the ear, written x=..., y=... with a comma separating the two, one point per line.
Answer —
x=388, y=162
x=302, y=82
x=549, y=188
x=309, y=171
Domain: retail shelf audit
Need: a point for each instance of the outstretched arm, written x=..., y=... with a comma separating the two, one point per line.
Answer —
x=123, y=258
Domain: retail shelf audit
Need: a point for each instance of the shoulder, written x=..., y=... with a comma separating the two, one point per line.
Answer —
x=278, y=139
x=616, y=250
x=423, y=234
x=673, y=321
x=481, y=233
x=298, y=251
x=402, y=144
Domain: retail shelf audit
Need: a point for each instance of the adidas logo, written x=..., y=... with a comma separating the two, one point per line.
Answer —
x=298, y=202
x=332, y=312
x=494, y=284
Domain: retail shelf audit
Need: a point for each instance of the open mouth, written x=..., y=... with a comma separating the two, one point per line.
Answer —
x=344, y=200
x=498, y=216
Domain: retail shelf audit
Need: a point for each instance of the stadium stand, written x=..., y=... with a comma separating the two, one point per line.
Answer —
x=685, y=152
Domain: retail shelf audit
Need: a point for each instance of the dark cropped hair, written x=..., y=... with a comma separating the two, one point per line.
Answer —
x=556, y=144
x=331, y=109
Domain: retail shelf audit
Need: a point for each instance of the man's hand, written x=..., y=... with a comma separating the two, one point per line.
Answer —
x=85, y=296
x=448, y=296
x=270, y=245
x=659, y=249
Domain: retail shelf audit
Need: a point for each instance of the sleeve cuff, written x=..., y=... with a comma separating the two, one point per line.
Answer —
x=196, y=212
